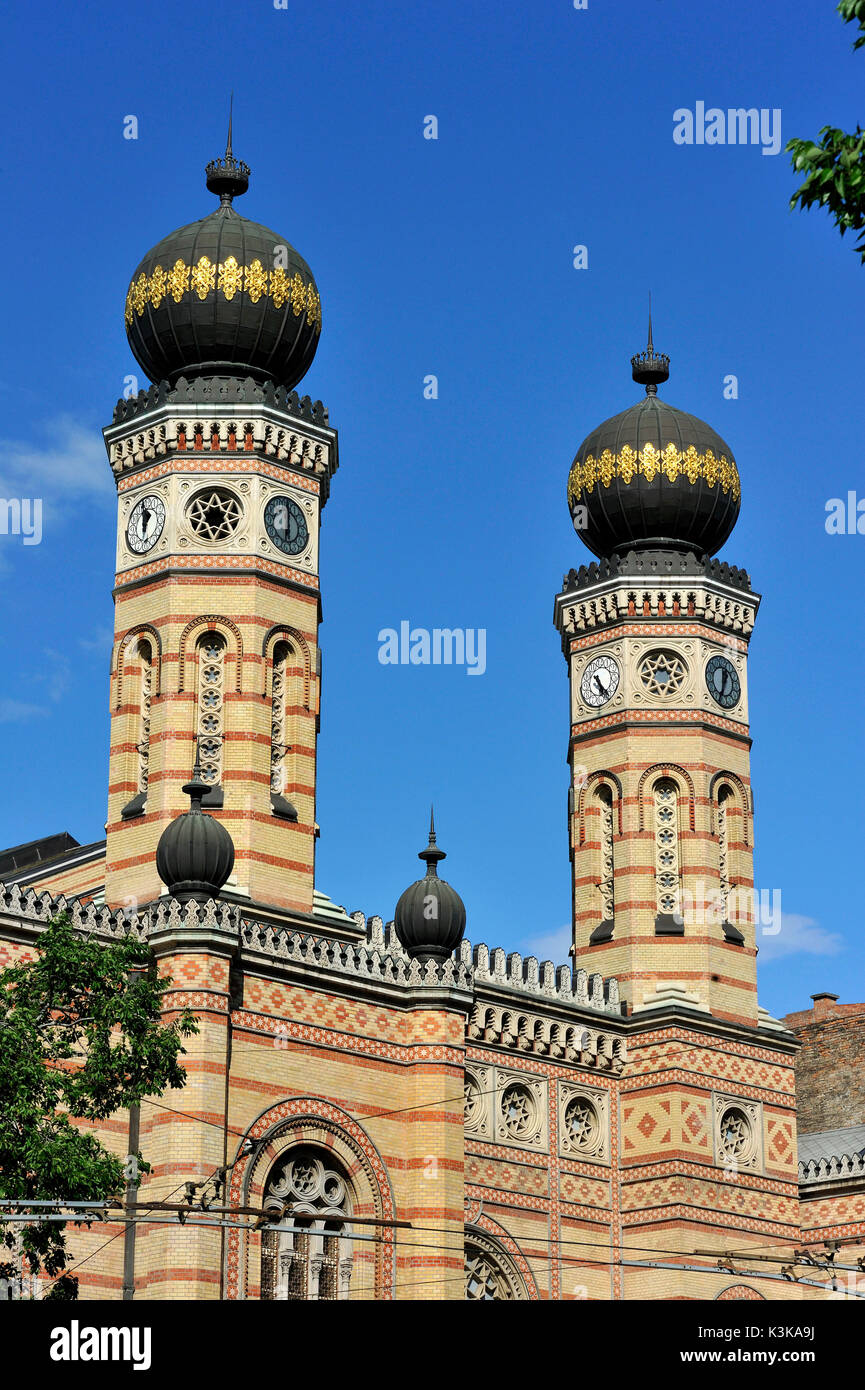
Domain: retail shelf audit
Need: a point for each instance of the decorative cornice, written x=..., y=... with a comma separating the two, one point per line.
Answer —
x=833, y=1168
x=213, y=391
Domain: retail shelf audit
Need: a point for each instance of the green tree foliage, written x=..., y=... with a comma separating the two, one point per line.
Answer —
x=835, y=169
x=80, y=1037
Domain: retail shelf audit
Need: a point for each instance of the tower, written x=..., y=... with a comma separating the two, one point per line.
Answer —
x=222, y=472
x=656, y=638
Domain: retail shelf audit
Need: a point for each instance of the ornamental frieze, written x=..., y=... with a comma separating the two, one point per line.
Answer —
x=650, y=463
x=227, y=278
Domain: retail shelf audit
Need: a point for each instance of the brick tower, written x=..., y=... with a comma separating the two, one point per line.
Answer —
x=221, y=472
x=656, y=634
x=656, y=639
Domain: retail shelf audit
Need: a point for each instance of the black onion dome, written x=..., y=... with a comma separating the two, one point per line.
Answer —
x=654, y=477
x=224, y=296
x=195, y=853
x=430, y=917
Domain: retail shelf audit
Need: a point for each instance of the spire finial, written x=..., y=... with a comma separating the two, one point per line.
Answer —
x=196, y=788
x=432, y=854
x=228, y=177
x=650, y=368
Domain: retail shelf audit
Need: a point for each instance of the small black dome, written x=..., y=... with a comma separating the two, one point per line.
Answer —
x=430, y=917
x=653, y=477
x=224, y=296
x=195, y=853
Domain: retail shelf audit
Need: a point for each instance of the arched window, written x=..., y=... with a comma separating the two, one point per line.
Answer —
x=138, y=682
x=727, y=904
x=604, y=864
x=307, y=1255
x=668, y=900
x=491, y=1275
x=211, y=708
x=286, y=694
x=145, y=655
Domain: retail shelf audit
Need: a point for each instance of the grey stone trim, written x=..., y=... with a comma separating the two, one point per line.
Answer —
x=825, y=1169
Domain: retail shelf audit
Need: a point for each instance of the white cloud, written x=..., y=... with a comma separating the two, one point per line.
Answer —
x=72, y=467
x=552, y=946
x=798, y=936
x=11, y=711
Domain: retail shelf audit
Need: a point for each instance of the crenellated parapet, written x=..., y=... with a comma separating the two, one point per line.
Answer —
x=832, y=1168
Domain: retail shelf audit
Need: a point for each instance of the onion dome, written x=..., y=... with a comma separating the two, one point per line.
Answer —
x=195, y=853
x=653, y=477
x=224, y=296
x=430, y=917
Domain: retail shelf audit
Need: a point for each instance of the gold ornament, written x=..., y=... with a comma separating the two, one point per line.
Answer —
x=158, y=283
x=230, y=278
x=256, y=281
x=298, y=294
x=178, y=281
x=278, y=287
x=670, y=462
x=202, y=277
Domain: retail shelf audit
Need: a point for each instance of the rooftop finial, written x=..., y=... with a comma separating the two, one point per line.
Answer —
x=650, y=368
x=229, y=177
x=432, y=854
x=651, y=344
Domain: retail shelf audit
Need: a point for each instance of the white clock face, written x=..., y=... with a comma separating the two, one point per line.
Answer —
x=145, y=524
x=600, y=681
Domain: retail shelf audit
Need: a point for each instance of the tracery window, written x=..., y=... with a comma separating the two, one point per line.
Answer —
x=491, y=1275
x=308, y=1254
x=214, y=515
x=604, y=801
x=211, y=712
x=145, y=657
x=667, y=867
x=724, y=796
x=278, y=732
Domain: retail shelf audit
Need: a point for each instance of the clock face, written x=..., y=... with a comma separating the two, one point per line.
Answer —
x=722, y=682
x=286, y=525
x=600, y=681
x=145, y=525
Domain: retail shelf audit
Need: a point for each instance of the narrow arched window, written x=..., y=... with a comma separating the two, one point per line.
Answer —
x=727, y=904
x=145, y=656
x=667, y=858
x=307, y=1254
x=279, y=723
x=604, y=863
x=286, y=695
x=211, y=707
x=138, y=682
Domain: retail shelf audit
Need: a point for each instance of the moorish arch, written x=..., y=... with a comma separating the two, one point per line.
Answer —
x=675, y=774
x=495, y=1268
x=717, y=781
x=212, y=622
x=589, y=786
x=281, y=633
x=140, y=630
x=313, y=1129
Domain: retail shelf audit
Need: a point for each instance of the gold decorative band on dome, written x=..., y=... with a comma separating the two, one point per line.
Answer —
x=673, y=463
x=228, y=279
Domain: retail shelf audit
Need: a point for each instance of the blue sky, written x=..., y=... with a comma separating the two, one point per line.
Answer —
x=454, y=257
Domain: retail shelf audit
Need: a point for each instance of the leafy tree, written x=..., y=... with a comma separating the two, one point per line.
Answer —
x=835, y=169
x=80, y=1037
